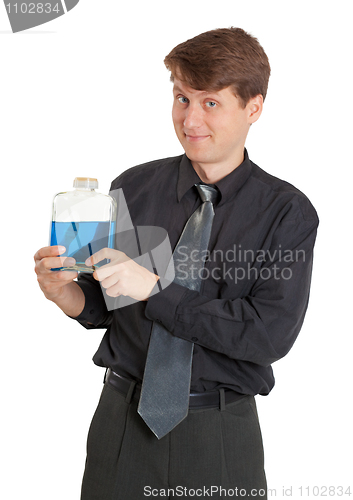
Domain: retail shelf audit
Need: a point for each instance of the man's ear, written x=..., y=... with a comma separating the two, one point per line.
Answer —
x=254, y=107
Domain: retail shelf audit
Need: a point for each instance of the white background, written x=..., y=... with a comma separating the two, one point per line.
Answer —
x=88, y=95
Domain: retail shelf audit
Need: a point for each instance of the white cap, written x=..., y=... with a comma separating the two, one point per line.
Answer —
x=85, y=183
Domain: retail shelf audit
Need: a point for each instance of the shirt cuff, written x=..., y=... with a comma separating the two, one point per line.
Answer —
x=94, y=313
x=162, y=306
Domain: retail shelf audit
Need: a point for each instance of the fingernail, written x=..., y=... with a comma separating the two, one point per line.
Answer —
x=88, y=261
x=69, y=261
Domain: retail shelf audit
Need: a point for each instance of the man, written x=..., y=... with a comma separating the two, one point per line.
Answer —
x=245, y=311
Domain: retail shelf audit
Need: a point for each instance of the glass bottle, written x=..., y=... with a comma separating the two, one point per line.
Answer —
x=83, y=221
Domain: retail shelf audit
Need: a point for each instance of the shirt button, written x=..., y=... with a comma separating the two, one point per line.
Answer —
x=91, y=311
x=194, y=339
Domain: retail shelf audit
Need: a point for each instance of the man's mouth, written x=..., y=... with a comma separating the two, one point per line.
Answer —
x=196, y=138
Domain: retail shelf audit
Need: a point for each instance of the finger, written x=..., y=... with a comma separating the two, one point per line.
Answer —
x=49, y=263
x=104, y=253
x=103, y=272
x=51, y=251
x=114, y=291
x=66, y=275
x=55, y=281
x=114, y=267
x=59, y=277
x=110, y=281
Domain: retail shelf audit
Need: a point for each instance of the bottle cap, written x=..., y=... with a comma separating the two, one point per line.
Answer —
x=85, y=183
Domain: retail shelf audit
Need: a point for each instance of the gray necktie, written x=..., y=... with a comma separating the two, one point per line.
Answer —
x=164, y=400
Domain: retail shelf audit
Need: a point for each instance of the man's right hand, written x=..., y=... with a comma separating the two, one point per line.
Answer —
x=58, y=286
x=52, y=283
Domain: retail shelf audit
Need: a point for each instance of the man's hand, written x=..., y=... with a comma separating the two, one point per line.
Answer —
x=53, y=282
x=58, y=286
x=122, y=276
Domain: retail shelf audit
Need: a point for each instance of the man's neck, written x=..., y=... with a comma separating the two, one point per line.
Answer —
x=211, y=173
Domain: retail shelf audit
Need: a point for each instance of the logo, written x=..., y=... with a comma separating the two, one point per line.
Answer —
x=24, y=14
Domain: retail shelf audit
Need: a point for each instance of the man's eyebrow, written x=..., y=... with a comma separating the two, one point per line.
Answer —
x=178, y=89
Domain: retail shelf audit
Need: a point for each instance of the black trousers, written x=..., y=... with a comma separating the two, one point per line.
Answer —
x=213, y=453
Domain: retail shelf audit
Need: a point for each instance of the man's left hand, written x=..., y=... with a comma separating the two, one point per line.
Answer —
x=122, y=276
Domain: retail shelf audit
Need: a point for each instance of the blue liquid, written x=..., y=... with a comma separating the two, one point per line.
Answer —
x=81, y=240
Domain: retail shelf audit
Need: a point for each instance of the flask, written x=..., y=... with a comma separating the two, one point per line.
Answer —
x=83, y=221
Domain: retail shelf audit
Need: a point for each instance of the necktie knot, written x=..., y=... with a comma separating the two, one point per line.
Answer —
x=207, y=193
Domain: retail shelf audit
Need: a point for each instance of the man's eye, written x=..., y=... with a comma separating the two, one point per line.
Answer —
x=210, y=104
x=183, y=100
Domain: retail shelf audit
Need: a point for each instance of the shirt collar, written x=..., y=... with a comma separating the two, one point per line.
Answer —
x=187, y=177
x=227, y=186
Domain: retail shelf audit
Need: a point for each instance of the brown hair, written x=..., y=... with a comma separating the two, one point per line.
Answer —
x=222, y=58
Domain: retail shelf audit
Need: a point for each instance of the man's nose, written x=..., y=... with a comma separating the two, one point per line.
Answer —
x=193, y=117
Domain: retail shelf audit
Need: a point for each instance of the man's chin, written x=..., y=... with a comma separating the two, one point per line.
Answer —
x=195, y=153
x=198, y=157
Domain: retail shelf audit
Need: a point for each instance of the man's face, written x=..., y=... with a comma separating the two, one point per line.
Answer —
x=211, y=126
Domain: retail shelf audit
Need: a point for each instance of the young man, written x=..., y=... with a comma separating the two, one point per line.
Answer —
x=246, y=239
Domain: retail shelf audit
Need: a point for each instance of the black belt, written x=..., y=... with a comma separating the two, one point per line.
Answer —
x=212, y=399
